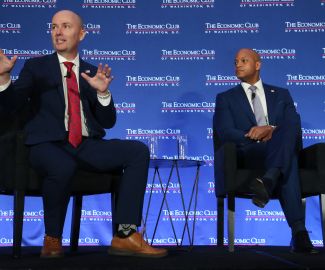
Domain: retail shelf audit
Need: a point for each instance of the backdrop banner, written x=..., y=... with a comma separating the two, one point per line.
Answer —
x=169, y=59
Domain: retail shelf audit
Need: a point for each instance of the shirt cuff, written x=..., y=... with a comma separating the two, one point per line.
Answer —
x=106, y=99
x=5, y=86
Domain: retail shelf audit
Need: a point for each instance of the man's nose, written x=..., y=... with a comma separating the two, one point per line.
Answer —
x=58, y=31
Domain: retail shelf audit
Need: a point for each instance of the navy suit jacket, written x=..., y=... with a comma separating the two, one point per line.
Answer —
x=40, y=85
x=234, y=117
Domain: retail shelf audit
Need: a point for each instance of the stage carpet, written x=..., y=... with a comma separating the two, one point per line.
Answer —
x=199, y=257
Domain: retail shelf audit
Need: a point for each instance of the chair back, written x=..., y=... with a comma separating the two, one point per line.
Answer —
x=17, y=174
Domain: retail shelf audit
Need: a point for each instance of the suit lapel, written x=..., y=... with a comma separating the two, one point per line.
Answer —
x=270, y=96
x=83, y=85
x=55, y=75
x=243, y=103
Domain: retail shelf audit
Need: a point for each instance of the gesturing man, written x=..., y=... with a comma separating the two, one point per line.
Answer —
x=71, y=105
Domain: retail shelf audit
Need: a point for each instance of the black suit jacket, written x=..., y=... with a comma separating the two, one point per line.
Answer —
x=40, y=86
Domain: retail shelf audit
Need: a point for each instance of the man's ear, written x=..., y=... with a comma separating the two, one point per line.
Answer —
x=258, y=65
x=82, y=35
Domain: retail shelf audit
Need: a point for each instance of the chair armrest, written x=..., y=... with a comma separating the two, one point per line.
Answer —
x=14, y=160
x=22, y=170
x=7, y=161
x=313, y=157
x=312, y=169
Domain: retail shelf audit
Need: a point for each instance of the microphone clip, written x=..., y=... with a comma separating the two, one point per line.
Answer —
x=68, y=75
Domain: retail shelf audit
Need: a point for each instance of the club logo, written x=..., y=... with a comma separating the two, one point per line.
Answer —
x=267, y=3
x=187, y=4
x=313, y=133
x=170, y=241
x=232, y=28
x=264, y=215
x=142, y=134
x=112, y=55
x=152, y=29
x=221, y=80
x=181, y=215
x=86, y=241
x=242, y=241
x=277, y=53
x=98, y=4
x=152, y=81
x=125, y=107
x=208, y=159
x=95, y=215
x=187, y=55
x=187, y=107
x=301, y=79
x=24, y=54
x=303, y=27
x=28, y=4
x=157, y=188
x=10, y=28
x=28, y=216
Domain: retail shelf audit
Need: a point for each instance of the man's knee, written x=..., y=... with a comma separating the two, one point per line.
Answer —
x=66, y=170
x=52, y=162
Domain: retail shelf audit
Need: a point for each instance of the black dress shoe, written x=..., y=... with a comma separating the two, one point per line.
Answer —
x=300, y=243
x=260, y=194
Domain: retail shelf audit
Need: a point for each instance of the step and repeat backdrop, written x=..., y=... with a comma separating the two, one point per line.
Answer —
x=170, y=58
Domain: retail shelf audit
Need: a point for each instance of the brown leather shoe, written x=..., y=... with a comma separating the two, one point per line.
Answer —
x=52, y=247
x=134, y=245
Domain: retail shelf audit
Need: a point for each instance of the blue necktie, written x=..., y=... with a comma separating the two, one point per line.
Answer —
x=257, y=107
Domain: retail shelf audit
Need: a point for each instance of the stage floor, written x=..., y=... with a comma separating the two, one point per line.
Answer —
x=200, y=257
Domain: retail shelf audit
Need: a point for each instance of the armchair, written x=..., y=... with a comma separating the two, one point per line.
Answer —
x=232, y=181
x=17, y=178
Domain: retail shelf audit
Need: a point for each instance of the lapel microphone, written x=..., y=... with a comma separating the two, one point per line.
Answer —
x=68, y=75
x=253, y=95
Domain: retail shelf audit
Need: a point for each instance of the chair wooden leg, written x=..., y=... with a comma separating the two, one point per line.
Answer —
x=231, y=222
x=19, y=203
x=322, y=215
x=220, y=221
x=75, y=222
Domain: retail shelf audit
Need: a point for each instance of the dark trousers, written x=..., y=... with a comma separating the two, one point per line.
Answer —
x=57, y=162
x=280, y=153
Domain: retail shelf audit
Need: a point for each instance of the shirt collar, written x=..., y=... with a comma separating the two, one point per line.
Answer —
x=258, y=84
x=62, y=59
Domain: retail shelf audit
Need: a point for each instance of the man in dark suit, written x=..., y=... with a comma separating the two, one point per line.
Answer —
x=263, y=123
x=70, y=106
